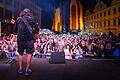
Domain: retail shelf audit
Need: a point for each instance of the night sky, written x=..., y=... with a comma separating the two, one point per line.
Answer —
x=49, y=6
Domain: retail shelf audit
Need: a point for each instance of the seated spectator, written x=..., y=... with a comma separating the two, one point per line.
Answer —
x=68, y=52
x=101, y=51
x=84, y=48
x=108, y=49
x=78, y=52
x=90, y=51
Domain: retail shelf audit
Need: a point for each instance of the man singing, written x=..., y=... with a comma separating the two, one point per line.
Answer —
x=25, y=38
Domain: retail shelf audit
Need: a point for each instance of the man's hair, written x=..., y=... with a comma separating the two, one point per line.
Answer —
x=25, y=12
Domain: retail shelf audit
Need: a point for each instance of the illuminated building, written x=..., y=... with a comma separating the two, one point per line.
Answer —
x=76, y=15
x=57, y=23
x=103, y=18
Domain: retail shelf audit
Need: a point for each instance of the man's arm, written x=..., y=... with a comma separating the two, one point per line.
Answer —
x=15, y=31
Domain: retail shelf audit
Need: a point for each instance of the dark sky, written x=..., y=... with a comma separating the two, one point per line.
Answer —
x=49, y=6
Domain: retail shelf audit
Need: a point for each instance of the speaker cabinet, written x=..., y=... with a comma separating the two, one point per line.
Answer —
x=57, y=57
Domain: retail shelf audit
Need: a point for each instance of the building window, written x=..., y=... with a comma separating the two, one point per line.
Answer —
x=108, y=22
x=100, y=14
x=100, y=24
x=104, y=13
x=97, y=16
x=119, y=9
x=114, y=11
x=119, y=21
x=97, y=25
x=108, y=12
x=114, y=22
x=104, y=23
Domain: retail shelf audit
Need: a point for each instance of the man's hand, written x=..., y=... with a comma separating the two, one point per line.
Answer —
x=14, y=38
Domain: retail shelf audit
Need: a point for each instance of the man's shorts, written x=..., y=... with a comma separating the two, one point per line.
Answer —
x=26, y=45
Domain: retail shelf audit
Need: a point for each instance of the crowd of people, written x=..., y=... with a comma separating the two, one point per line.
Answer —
x=8, y=47
x=74, y=46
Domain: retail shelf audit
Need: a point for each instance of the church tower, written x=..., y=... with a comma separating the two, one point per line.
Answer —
x=57, y=23
x=76, y=15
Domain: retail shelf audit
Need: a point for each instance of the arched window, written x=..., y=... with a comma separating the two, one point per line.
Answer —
x=100, y=24
x=114, y=10
x=119, y=9
x=114, y=22
x=100, y=14
x=109, y=12
x=104, y=23
x=119, y=21
x=104, y=13
x=108, y=22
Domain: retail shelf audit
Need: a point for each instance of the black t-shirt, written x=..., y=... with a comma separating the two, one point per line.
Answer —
x=21, y=30
x=84, y=48
x=90, y=51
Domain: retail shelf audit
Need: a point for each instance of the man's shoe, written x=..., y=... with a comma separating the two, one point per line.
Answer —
x=20, y=71
x=28, y=72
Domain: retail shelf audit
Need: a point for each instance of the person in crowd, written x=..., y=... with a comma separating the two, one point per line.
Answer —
x=36, y=50
x=68, y=52
x=90, y=51
x=100, y=51
x=78, y=52
x=83, y=47
x=108, y=49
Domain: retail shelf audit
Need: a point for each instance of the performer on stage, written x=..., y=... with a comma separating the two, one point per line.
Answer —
x=23, y=33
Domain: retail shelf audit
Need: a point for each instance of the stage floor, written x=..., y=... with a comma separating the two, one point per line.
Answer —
x=86, y=69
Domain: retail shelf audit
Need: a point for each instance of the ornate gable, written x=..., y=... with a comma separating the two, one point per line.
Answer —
x=87, y=13
x=99, y=6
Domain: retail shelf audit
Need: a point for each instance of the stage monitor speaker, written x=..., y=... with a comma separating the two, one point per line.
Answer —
x=57, y=57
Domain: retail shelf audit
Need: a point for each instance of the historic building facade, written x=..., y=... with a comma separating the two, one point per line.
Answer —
x=76, y=15
x=57, y=23
x=10, y=9
x=103, y=18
